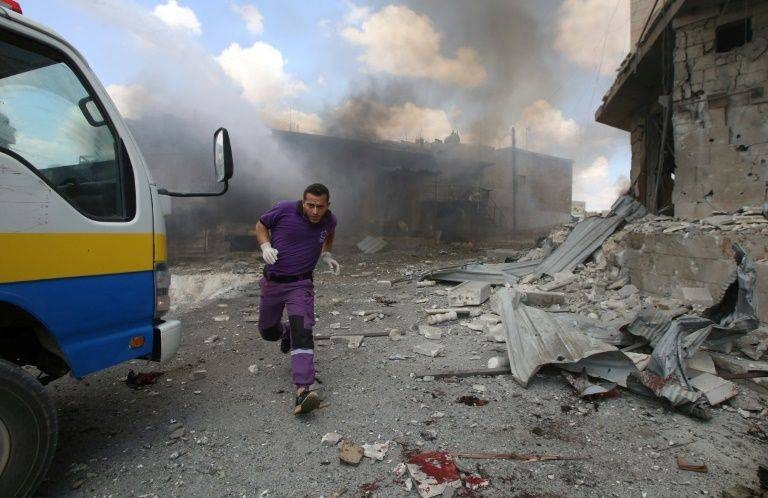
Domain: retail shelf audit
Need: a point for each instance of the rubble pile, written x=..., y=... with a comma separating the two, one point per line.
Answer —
x=590, y=320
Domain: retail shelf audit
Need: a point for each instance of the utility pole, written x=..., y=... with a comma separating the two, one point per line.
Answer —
x=514, y=183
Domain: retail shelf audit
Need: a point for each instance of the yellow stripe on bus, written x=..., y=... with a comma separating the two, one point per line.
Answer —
x=40, y=256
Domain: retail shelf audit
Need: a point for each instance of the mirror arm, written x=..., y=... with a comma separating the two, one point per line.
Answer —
x=163, y=191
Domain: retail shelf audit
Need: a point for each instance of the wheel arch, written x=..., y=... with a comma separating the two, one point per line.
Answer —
x=26, y=340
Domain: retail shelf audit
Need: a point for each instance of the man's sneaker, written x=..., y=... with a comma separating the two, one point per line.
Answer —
x=306, y=402
x=285, y=340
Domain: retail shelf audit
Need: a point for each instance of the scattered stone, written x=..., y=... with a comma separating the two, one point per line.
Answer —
x=543, y=299
x=498, y=362
x=469, y=294
x=221, y=318
x=442, y=317
x=376, y=451
x=426, y=283
x=350, y=453
x=430, y=332
x=354, y=341
x=198, y=374
x=331, y=439
x=428, y=434
x=426, y=349
x=211, y=339
x=177, y=434
x=395, y=334
x=254, y=369
x=628, y=290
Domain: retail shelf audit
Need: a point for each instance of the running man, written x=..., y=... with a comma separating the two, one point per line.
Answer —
x=293, y=236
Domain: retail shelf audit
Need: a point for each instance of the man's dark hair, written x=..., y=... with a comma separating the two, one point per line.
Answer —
x=317, y=189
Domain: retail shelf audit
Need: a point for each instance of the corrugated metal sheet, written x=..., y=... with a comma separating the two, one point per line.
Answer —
x=587, y=236
x=536, y=338
x=496, y=273
x=370, y=245
x=650, y=324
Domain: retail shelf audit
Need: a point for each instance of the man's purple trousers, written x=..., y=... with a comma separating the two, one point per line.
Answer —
x=298, y=298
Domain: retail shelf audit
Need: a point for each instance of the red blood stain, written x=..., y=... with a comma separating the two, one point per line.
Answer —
x=369, y=487
x=472, y=401
x=436, y=464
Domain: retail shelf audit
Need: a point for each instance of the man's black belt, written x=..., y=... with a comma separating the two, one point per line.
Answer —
x=287, y=279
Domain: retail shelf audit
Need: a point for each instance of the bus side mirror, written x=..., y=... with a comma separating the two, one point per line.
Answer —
x=222, y=164
x=222, y=155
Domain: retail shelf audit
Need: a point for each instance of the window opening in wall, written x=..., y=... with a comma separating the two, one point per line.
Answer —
x=733, y=35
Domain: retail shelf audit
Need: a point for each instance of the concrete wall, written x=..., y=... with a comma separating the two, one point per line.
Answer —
x=662, y=264
x=543, y=187
x=720, y=117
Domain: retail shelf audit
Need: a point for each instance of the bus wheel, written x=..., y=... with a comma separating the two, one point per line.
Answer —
x=28, y=431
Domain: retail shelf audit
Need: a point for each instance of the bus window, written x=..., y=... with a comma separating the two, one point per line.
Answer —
x=51, y=122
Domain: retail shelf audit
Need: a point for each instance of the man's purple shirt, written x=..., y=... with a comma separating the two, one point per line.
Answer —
x=297, y=240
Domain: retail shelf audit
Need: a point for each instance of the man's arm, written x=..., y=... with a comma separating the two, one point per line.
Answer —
x=328, y=243
x=262, y=233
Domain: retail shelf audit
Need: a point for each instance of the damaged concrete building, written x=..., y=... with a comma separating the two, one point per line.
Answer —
x=694, y=96
x=445, y=190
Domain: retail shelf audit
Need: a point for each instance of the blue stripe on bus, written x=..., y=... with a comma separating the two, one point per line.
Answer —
x=91, y=318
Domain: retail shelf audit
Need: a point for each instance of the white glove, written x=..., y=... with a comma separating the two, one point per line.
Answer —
x=333, y=265
x=268, y=253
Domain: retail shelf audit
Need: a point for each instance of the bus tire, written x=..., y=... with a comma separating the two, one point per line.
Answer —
x=28, y=431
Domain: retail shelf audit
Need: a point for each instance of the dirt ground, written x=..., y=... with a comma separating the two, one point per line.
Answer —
x=229, y=431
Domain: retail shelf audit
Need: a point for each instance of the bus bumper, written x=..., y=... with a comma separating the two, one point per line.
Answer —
x=167, y=337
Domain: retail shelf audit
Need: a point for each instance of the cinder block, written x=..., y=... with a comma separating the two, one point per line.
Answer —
x=469, y=294
x=536, y=298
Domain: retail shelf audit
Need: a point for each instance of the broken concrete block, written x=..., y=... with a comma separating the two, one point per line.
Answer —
x=543, y=299
x=427, y=349
x=747, y=400
x=395, y=334
x=198, y=374
x=376, y=451
x=430, y=332
x=489, y=319
x=628, y=290
x=350, y=453
x=354, y=341
x=714, y=388
x=469, y=294
x=561, y=279
x=442, y=317
x=495, y=332
x=426, y=283
x=498, y=362
x=701, y=362
x=754, y=344
x=331, y=439
x=697, y=295
x=475, y=325
x=384, y=283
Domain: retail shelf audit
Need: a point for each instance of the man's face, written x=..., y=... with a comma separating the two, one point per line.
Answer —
x=315, y=206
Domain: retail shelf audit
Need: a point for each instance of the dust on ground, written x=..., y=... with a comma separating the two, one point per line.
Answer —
x=219, y=421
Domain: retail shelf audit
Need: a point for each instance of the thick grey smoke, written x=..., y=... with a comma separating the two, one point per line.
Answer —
x=189, y=97
x=512, y=45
